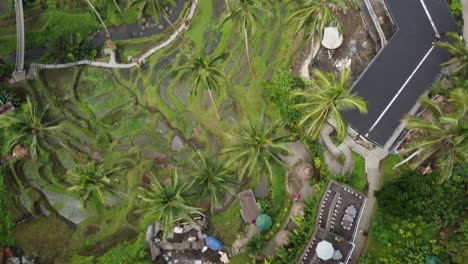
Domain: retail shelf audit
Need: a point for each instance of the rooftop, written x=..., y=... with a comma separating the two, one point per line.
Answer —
x=404, y=69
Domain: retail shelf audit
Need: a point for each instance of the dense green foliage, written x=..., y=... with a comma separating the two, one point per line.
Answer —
x=28, y=127
x=212, y=180
x=314, y=15
x=6, y=225
x=69, y=47
x=412, y=195
x=414, y=210
x=6, y=68
x=326, y=99
x=299, y=238
x=255, y=147
x=444, y=134
x=457, y=10
x=167, y=204
x=135, y=253
x=92, y=181
x=8, y=95
x=279, y=90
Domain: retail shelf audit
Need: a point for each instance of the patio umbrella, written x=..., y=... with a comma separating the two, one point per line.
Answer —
x=264, y=222
x=324, y=250
x=213, y=243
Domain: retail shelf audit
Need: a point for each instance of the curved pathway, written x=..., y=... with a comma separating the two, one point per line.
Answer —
x=112, y=63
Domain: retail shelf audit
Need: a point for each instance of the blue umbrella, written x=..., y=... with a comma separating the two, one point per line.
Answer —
x=213, y=243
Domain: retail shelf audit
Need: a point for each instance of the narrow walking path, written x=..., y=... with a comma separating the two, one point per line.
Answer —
x=112, y=63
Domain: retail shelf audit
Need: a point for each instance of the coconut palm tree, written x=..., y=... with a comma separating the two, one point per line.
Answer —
x=168, y=204
x=325, y=100
x=444, y=134
x=205, y=75
x=457, y=48
x=99, y=17
x=312, y=17
x=26, y=126
x=92, y=180
x=255, y=148
x=246, y=17
x=212, y=180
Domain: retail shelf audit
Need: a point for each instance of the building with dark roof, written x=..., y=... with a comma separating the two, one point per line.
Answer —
x=403, y=70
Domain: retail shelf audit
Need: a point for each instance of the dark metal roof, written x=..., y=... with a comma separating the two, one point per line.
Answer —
x=404, y=69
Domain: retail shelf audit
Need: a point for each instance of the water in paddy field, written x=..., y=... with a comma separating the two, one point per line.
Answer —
x=3, y=6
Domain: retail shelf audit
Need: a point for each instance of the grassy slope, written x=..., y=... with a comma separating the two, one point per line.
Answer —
x=107, y=101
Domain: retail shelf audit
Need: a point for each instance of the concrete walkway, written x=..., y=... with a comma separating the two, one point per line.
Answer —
x=373, y=175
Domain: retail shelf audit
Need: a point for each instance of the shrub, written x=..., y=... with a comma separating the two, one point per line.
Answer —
x=126, y=253
x=278, y=91
x=6, y=226
x=255, y=245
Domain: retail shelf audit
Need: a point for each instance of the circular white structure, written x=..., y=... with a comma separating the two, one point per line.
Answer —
x=324, y=250
x=332, y=38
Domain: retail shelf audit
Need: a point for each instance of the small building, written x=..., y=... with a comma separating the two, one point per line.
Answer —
x=336, y=226
x=250, y=208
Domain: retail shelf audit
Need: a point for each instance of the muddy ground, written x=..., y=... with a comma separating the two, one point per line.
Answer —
x=358, y=45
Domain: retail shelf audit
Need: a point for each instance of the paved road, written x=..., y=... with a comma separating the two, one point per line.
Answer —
x=404, y=69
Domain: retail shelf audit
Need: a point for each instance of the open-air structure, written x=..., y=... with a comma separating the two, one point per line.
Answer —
x=336, y=226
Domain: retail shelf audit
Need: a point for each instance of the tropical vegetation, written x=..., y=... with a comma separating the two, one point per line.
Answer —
x=92, y=181
x=325, y=101
x=255, y=147
x=246, y=17
x=206, y=75
x=444, y=140
x=212, y=180
x=168, y=204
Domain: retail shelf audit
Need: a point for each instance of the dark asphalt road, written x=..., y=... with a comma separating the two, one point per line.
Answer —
x=397, y=65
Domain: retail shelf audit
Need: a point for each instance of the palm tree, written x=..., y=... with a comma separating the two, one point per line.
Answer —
x=255, y=148
x=92, y=180
x=26, y=126
x=168, y=204
x=444, y=134
x=312, y=17
x=245, y=17
x=212, y=179
x=99, y=17
x=326, y=99
x=457, y=48
x=205, y=75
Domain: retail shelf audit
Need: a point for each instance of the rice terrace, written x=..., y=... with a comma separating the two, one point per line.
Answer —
x=233, y=131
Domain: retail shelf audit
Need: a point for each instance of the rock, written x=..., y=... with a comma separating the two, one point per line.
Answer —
x=239, y=244
x=147, y=25
x=262, y=188
x=97, y=157
x=143, y=20
x=297, y=210
x=166, y=8
x=177, y=143
x=161, y=27
x=281, y=239
x=143, y=28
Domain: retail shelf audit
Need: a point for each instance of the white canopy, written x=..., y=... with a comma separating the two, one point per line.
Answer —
x=324, y=250
x=332, y=38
